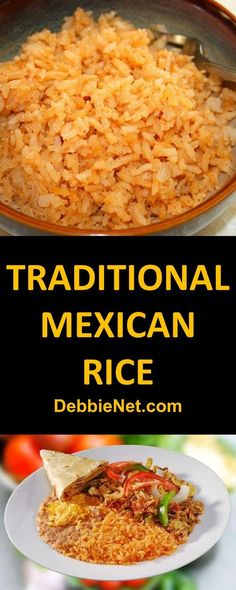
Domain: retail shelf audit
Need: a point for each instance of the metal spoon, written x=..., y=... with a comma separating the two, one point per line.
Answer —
x=194, y=47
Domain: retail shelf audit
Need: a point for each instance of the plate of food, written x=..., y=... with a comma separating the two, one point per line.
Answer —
x=117, y=513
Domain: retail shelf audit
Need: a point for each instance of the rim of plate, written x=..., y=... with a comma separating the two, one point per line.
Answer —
x=197, y=545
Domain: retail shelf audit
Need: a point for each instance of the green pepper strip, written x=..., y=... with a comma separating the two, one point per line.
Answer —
x=163, y=508
x=135, y=467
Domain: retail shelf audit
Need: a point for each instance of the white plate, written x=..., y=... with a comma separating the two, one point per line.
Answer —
x=23, y=505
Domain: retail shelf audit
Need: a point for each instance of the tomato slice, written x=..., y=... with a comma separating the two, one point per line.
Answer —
x=113, y=470
x=120, y=465
x=113, y=475
x=146, y=478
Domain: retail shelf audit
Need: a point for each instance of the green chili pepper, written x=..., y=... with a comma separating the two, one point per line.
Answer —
x=163, y=508
x=136, y=467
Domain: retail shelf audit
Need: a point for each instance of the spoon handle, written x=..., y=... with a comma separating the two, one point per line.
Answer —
x=224, y=72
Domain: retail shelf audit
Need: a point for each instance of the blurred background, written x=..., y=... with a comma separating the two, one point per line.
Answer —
x=19, y=456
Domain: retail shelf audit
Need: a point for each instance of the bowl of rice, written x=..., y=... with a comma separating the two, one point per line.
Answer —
x=105, y=131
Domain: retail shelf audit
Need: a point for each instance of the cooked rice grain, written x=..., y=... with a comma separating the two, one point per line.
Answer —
x=98, y=129
x=107, y=536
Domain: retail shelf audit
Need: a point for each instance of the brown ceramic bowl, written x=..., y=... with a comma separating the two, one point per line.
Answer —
x=205, y=19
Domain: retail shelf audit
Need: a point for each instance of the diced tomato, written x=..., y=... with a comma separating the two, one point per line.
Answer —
x=145, y=478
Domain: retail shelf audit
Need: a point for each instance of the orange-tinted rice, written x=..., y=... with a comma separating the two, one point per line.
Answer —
x=100, y=129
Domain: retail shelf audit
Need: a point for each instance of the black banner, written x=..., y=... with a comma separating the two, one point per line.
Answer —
x=146, y=341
